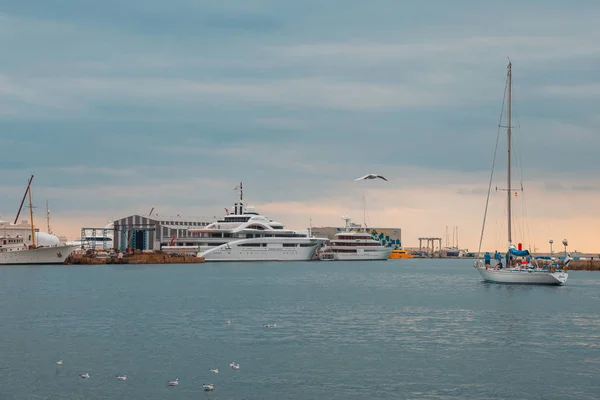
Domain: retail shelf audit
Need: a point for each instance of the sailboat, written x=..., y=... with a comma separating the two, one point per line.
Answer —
x=15, y=250
x=520, y=267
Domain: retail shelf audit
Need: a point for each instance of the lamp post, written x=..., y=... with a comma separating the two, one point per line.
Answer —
x=565, y=243
x=551, y=241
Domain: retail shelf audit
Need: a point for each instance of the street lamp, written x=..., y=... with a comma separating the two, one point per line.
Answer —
x=565, y=243
x=551, y=241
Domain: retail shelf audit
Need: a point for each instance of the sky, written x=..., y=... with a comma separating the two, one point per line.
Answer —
x=120, y=106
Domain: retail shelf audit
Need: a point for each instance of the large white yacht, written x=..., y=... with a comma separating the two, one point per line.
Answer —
x=246, y=235
x=353, y=246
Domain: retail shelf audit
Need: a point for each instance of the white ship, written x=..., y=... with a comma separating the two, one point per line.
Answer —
x=520, y=266
x=246, y=235
x=354, y=246
x=16, y=248
x=13, y=250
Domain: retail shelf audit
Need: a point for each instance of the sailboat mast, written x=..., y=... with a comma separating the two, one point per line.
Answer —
x=31, y=217
x=508, y=132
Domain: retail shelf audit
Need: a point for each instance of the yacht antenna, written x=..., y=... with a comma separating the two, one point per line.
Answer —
x=48, y=218
x=347, y=219
x=241, y=192
x=23, y=200
x=364, y=210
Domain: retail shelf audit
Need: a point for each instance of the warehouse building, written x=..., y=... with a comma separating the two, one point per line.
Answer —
x=151, y=232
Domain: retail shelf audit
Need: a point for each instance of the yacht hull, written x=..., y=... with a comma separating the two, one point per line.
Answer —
x=381, y=255
x=42, y=255
x=236, y=251
x=523, y=277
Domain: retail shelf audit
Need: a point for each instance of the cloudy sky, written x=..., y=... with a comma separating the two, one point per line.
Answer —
x=120, y=106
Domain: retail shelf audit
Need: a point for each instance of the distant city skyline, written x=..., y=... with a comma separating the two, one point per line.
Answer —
x=122, y=106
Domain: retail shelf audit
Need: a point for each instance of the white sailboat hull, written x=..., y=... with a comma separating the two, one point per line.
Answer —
x=42, y=255
x=523, y=276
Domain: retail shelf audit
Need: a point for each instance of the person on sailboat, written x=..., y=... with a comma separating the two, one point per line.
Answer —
x=498, y=258
x=487, y=258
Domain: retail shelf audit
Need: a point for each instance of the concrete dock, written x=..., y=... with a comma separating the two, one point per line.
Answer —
x=143, y=258
x=584, y=265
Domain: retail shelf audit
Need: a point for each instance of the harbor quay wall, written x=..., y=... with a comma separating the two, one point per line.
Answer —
x=584, y=265
x=146, y=258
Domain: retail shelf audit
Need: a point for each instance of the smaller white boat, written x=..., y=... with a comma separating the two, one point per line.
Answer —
x=214, y=370
x=353, y=246
x=59, y=362
x=208, y=387
x=85, y=376
x=122, y=377
x=234, y=366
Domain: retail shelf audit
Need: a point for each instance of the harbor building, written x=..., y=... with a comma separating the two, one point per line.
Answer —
x=390, y=237
x=151, y=232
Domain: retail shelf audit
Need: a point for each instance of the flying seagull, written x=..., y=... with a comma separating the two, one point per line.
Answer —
x=370, y=176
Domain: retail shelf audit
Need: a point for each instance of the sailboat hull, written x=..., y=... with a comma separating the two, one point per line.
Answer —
x=523, y=277
x=41, y=255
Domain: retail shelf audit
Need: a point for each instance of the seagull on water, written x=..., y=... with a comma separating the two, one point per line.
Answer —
x=228, y=322
x=59, y=362
x=370, y=176
x=214, y=370
x=122, y=377
x=86, y=375
x=209, y=387
x=173, y=383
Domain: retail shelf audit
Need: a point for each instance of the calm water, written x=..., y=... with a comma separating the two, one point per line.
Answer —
x=401, y=329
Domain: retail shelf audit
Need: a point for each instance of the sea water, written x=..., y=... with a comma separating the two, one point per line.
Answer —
x=399, y=329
